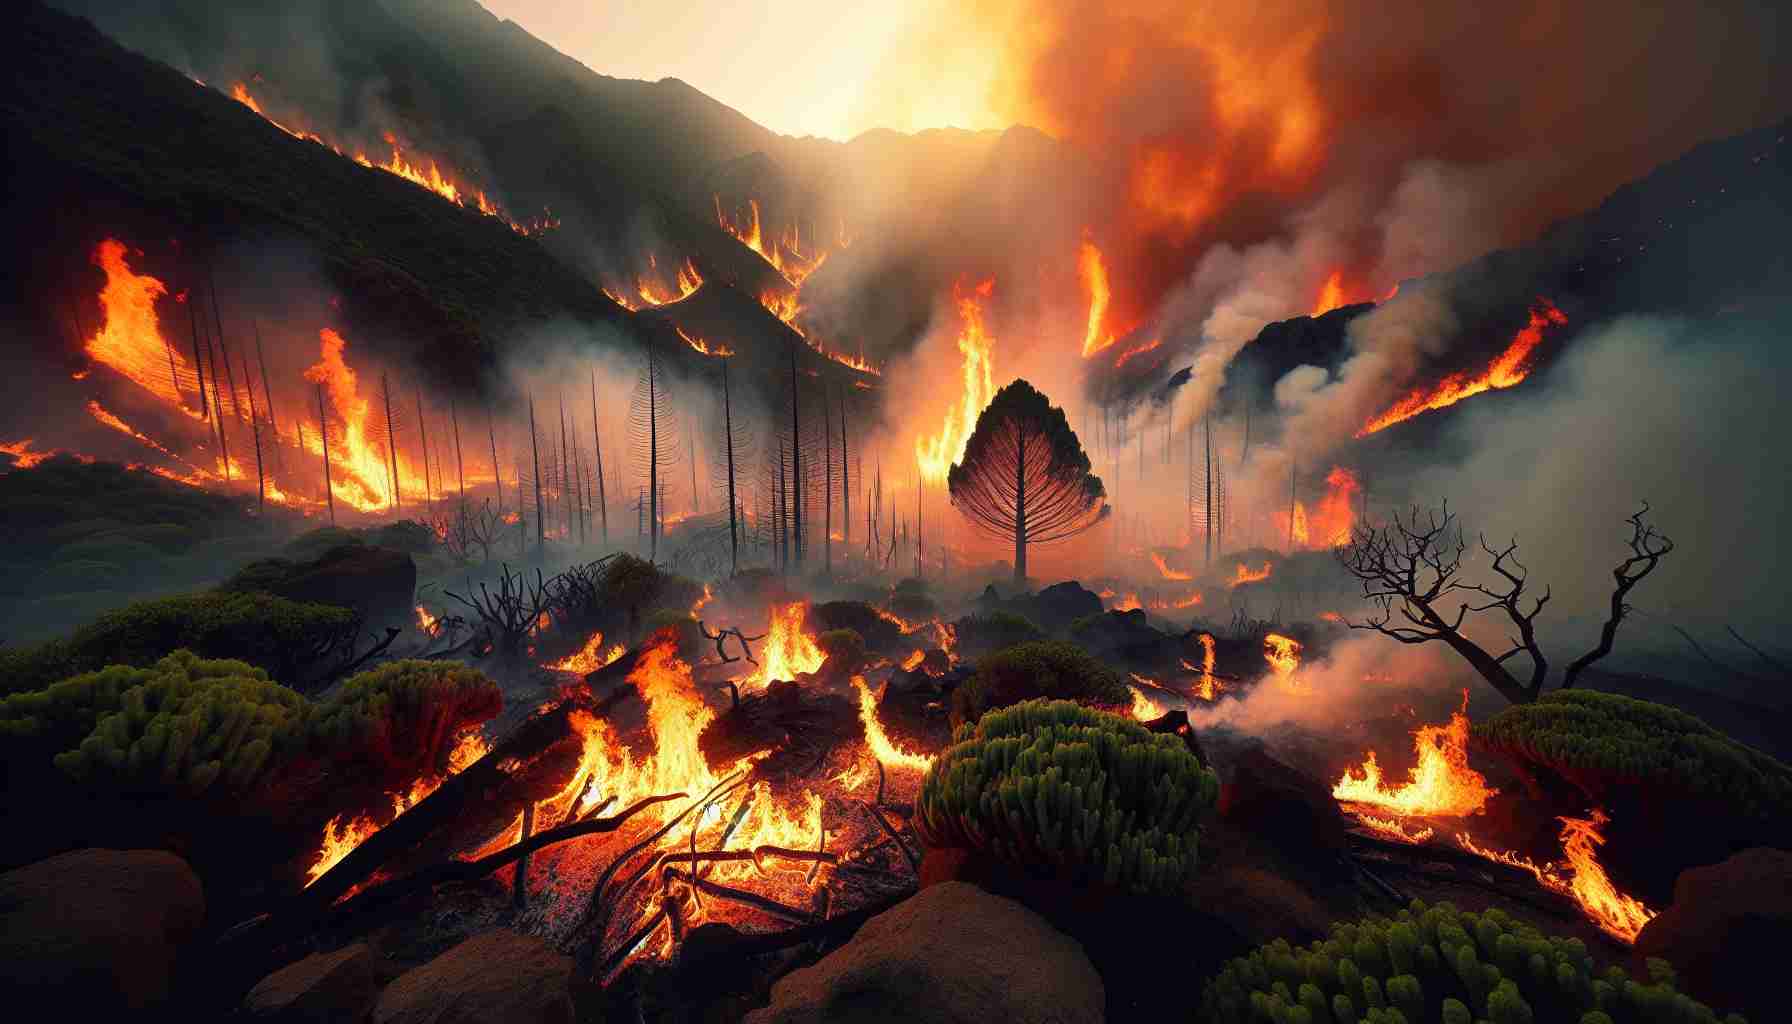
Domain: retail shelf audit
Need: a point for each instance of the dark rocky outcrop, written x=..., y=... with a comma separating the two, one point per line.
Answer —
x=1724, y=918
x=93, y=932
x=336, y=986
x=495, y=977
x=379, y=583
x=953, y=953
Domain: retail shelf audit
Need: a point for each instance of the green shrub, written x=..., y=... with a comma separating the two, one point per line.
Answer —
x=313, y=543
x=1600, y=741
x=879, y=633
x=994, y=631
x=910, y=599
x=273, y=633
x=1043, y=668
x=408, y=535
x=1429, y=964
x=191, y=728
x=1059, y=790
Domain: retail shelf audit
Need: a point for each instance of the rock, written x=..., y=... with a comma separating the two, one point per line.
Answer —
x=1290, y=809
x=1060, y=604
x=1725, y=917
x=953, y=953
x=96, y=931
x=495, y=977
x=323, y=987
x=1127, y=638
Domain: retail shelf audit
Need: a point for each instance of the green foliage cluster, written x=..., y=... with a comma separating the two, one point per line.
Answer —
x=879, y=633
x=1060, y=790
x=1042, y=668
x=1600, y=740
x=189, y=728
x=261, y=629
x=633, y=584
x=992, y=631
x=1436, y=965
x=911, y=600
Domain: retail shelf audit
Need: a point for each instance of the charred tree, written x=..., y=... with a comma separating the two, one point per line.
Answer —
x=1025, y=476
x=653, y=443
x=391, y=439
x=736, y=443
x=429, y=488
x=541, y=536
x=845, y=482
x=603, y=502
x=796, y=463
x=1412, y=567
x=491, y=433
x=323, y=426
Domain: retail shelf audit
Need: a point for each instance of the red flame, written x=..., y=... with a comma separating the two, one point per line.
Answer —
x=1507, y=369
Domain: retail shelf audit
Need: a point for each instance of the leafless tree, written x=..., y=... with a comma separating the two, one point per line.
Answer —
x=653, y=442
x=510, y=615
x=1411, y=568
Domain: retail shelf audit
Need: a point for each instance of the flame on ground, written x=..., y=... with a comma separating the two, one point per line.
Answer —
x=789, y=650
x=1208, y=688
x=590, y=657
x=878, y=741
x=1167, y=572
x=1245, y=574
x=131, y=341
x=1507, y=369
x=1144, y=709
x=913, y=661
x=1620, y=915
x=1392, y=829
x=936, y=455
x=1137, y=350
x=1283, y=655
x=426, y=622
x=359, y=472
x=1441, y=784
x=343, y=834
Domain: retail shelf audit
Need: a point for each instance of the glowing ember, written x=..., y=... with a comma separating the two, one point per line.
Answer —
x=1507, y=369
x=1144, y=709
x=1283, y=655
x=1167, y=572
x=789, y=651
x=426, y=622
x=1094, y=275
x=1441, y=784
x=936, y=455
x=1246, y=574
x=1128, y=603
x=22, y=455
x=914, y=660
x=877, y=741
x=1331, y=617
x=700, y=345
x=590, y=657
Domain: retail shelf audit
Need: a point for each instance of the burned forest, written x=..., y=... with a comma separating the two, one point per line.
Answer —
x=516, y=511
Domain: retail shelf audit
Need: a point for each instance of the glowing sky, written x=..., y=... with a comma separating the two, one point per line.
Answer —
x=801, y=67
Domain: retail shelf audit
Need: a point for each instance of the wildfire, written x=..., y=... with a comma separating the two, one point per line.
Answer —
x=1167, y=572
x=343, y=834
x=1507, y=369
x=1392, y=829
x=131, y=341
x=1190, y=600
x=1094, y=275
x=1620, y=915
x=359, y=472
x=1440, y=784
x=1144, y=709
x=1128, y=603
x=788, y=649
x=1245, y=574
x=786, y=253
x=1207, y=687
x=703, y=346
x=590, y=657
x=914, y=660
x=698, y=605
x=654, y=295
x=878, y=741
x=1283, y=655
x=1299, y=532
x=426, y=622
x=1331, y=294
x=106, y=418
x=936, y=455
x=1149, y=346
x=22, y=455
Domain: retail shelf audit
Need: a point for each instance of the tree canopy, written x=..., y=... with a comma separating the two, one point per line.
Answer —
x=1024, y=475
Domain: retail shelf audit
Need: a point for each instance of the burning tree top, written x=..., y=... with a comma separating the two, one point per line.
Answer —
x=1024, y=474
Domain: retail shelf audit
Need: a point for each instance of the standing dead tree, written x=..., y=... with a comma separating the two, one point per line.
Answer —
x=510, y=615
x=736, y=446
x=1411, y=567
x=653, y=443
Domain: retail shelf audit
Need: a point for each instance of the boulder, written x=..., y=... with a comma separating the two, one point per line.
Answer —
x=323, y=987
x=495, y=977
x=1288, y=808
x=96, y=931
x=1724, y=919
x=952, y=953
x=1060, y=604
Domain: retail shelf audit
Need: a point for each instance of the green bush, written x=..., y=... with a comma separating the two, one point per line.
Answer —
x=276, y=634
x=879, y=633
x=1435, y=964
x=407, y=535
x=314, y=543
x=1043, y=668
x=1600, y=741
x=191, y=728
x=911, y=600
x=994, y=631
x=1058, y=790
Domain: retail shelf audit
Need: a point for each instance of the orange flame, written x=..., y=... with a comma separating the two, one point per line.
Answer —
x=1149, y=346
x=1507, y=369
x=358, y=470
x=343, y=834
x=878, y=741
x=910, y=663
x=23, y=456
x=590, y=657
x=936, y=455
x=1249, y=575
x=1207, y=687
x=1144, y=709
x=1620, y=915
x=1283, y=655
x=1167, y=572
x=1392, y=829
x=785, y=254
x=131, y=341
x=788, y=649
x=1440, y=784
x=1094, y=275
x=426, y=622
x=1331, y=294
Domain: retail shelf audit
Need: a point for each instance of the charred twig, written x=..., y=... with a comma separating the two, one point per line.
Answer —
x=1647, y=548
x=511, y=613
x=836, y=927
x=615, y=960
x=519, y=896
x=720, y=637
x=913, y=861
x=741, y=896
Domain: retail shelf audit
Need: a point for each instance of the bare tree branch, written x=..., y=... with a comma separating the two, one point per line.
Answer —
x=1647, y=548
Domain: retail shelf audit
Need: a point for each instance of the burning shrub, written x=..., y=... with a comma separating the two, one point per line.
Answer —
x=1437, y=964
x=993, y=631
x=274, y=633
x=1044, y=668
x=633, y=585
x=1603, y=741
x=879, y=633
x=399, y=722
x=1060, y=790
x=685, y=628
